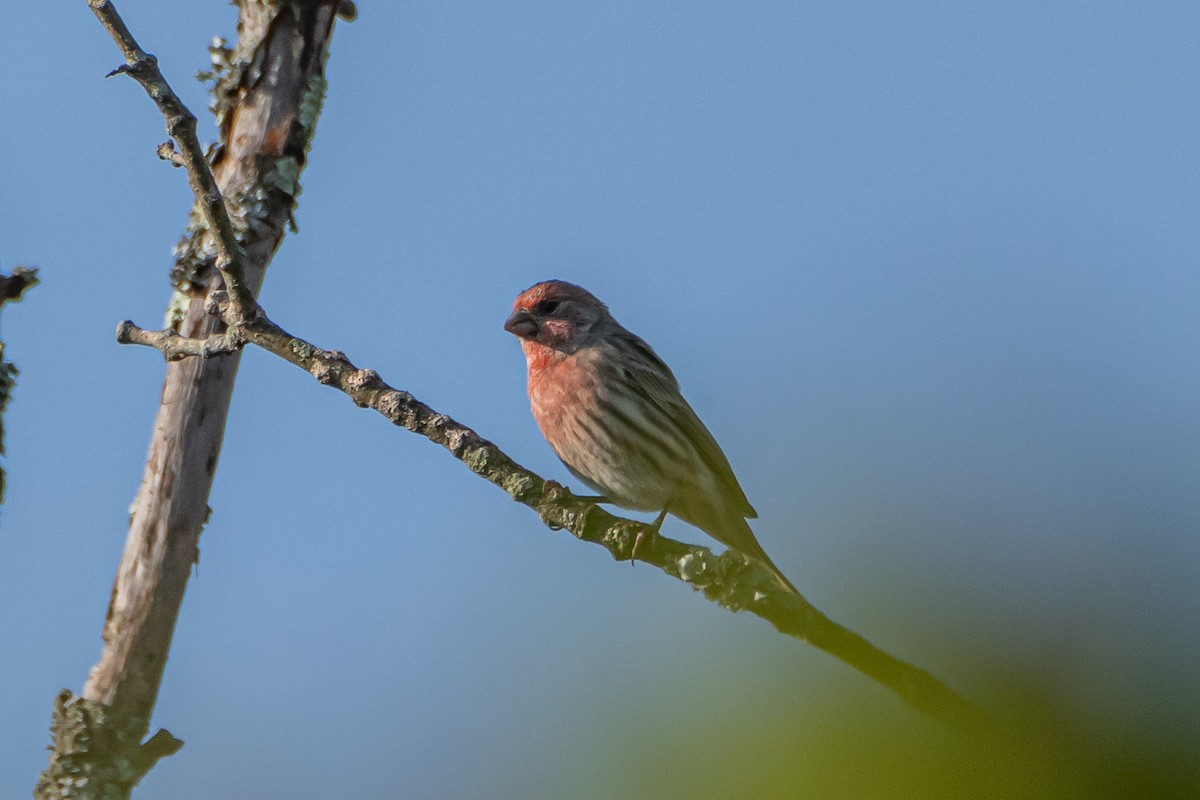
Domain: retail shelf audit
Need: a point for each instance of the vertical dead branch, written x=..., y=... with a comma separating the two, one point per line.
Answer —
x=268, y=95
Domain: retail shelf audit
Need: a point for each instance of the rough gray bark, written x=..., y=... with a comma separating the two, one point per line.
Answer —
x=268, y=95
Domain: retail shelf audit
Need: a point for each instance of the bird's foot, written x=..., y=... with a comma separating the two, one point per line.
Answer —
x=551, y=485
x=648, y=533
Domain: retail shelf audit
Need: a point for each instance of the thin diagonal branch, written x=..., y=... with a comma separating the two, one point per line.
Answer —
x=181, y=125
x=729, y=579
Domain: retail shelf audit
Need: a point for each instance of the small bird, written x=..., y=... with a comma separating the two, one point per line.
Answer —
x=612, y=412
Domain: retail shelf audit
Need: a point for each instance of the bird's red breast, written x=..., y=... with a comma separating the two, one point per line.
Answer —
x=538, y=357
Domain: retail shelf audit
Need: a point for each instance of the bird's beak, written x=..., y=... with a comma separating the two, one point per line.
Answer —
x=522, y=325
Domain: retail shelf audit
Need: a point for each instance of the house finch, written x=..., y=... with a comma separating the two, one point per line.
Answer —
x=612, y=411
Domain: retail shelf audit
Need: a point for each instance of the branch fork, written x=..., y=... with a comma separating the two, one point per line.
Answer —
x=167, y=152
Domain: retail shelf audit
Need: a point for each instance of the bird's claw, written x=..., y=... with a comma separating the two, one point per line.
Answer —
x=550, y=485
x=644, y=533
x=647, y=533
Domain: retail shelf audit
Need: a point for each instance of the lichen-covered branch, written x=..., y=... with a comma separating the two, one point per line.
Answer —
x=729, y=579
x=12, y=287
x=95, y=755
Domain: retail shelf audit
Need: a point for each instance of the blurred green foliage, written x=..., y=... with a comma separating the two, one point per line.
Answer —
x=855, y=745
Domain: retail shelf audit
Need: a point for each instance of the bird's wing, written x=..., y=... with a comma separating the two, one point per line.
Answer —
x=649, y=376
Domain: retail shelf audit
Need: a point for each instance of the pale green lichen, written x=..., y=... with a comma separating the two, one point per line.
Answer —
x=691, y=566
x=285, y=176
x=177, y=308
x=311, y=104
x=225, y=76
x=517, y=486
x=194, y=252
x=249, y=204
x=476, y=459
x=231, y=70
x=220, y=57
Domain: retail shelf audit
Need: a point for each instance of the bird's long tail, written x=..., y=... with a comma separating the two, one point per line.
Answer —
x=735, y=532
x=780, y=578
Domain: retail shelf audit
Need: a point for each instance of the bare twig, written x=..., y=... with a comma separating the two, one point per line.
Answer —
x=181, y=125
x=175, y=347
x=167, y=152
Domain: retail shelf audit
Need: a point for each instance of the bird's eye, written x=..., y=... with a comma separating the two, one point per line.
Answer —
x=546, y=307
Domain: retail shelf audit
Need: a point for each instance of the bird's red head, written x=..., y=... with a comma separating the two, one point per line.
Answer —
x=556, y=315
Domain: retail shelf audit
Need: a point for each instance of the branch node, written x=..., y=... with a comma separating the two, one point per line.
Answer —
x=167, y=152
x=363, y=379
x=137, y=68
x=325, y=373
x=154, y=749
x=217, y=302
x=125, y=332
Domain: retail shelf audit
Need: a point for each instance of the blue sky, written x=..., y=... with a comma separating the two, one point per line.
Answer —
x=928, y=271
